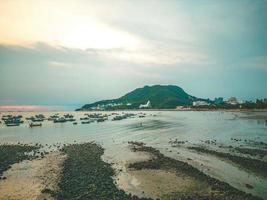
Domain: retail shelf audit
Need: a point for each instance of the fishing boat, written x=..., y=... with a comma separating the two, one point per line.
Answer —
x=86, y=122
x=102, y=119
x=34, y=124
x=60, y=120
x=84, y=118
x=37, y=119
x=12, y=124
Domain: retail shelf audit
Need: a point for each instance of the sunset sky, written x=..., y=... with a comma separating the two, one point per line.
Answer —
x=74, y=52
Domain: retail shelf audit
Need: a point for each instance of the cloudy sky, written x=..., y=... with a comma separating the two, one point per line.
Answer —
x=64, y=52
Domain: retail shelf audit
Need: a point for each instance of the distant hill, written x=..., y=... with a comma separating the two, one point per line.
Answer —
x=160, y=97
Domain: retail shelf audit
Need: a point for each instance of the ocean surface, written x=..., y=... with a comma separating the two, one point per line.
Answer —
x=157, y=129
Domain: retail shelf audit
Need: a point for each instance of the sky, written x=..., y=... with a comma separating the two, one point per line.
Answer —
x=64, y=52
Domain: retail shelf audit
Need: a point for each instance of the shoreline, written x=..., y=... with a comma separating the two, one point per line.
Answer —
x=139, y=110
x=207, y=186
x=88, y=175
x=193, y=109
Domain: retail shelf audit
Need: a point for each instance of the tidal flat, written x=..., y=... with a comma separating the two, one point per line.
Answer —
x=98, y=161
x=194, y=183
x=14, y=153
x=77, y=171
x=254, y=165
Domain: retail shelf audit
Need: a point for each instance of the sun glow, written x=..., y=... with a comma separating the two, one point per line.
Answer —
x=83, y=35
x=68, y=25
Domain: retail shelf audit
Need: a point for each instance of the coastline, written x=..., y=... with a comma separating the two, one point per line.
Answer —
x=139, y=110
x=156, y=176
x=192, y=109
x=159, y=182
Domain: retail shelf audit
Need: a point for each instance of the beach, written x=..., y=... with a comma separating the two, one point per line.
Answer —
x=163, y=155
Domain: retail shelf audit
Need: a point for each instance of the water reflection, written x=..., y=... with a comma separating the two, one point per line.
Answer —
x=152, y=125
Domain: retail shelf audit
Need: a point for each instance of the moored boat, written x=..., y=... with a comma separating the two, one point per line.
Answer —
x=34, y=124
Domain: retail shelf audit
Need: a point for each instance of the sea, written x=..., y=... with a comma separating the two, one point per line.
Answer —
x=158, y=129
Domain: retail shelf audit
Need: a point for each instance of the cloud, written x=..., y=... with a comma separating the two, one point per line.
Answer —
x=102, y=50
x=60, y=64
x=259, y=62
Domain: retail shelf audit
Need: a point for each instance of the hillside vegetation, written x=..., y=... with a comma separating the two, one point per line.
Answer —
x=160, y=96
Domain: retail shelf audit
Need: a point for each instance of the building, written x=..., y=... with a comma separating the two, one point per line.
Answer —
x=200, y=103
x=232, y=101
x=147, y=105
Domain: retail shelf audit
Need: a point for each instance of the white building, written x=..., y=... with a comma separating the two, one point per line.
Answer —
x=232, y=101
x=147, y=105
x=200, y=103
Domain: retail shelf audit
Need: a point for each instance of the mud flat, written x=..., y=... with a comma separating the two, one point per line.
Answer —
x=86, y=176
x=254, y=165
x=186, y=182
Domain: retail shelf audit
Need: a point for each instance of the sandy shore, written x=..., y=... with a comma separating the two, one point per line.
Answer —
x=78, y=171
x=165, y=178
x=27, y=179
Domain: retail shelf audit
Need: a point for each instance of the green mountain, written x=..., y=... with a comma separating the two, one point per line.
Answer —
x=160, y=97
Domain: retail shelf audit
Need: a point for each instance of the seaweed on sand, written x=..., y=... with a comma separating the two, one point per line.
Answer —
x=257, y=166
x=252, y=152
x=218, y=190
x=86, y=176
x=10, y=154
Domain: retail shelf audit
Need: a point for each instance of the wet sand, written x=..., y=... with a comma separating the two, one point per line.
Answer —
x=256, y=166
x=30, y=179
x=161, y=183
x=78, y=171
x=156, y=184
x=186, y=182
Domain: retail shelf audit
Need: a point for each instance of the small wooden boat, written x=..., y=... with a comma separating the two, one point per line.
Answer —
x=35, y=124
x=86, y=122
x=12, y=124
x=60, y=120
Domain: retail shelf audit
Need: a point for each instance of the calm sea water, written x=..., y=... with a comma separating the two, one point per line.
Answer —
x=157, y=129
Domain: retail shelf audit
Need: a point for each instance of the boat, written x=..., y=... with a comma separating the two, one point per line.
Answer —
x=86, y=122
x=37, y=119
x=40, y=116
x=29, y=118
x=84, y=118
x=68, y=116
x=13, y=121
x=35, y=124
x=60, y=120
x=12, y=124
x=101, y=119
